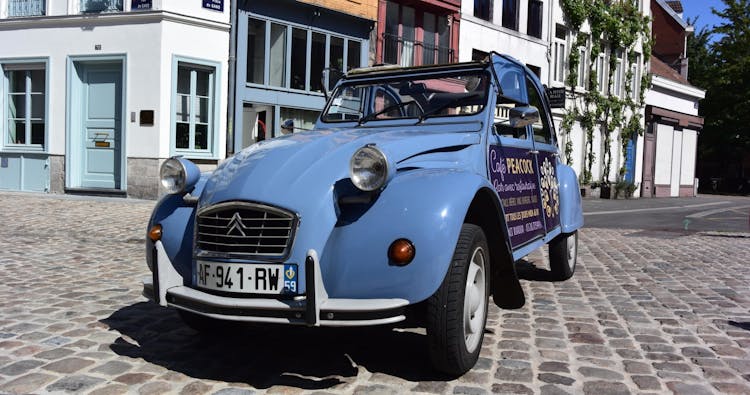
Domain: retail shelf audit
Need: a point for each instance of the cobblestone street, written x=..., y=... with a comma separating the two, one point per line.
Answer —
x=646, y=312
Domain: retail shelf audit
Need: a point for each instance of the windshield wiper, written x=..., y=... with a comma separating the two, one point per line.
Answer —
x=450, y=103
x=373, y=115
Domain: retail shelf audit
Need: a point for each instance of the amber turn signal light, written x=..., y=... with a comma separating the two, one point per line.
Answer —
x=401, y=252
x=155, y=233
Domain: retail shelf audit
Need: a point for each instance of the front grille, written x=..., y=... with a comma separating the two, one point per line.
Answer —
x=245, y=230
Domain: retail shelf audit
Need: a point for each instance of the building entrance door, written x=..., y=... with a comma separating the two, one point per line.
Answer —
x=96, y=134
x=649, y=159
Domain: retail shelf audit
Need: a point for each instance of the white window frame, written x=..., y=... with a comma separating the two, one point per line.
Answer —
x=23, y=65
x=559, y=55
x=212, y=139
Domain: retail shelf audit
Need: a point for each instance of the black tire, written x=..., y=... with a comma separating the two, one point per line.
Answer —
x=452, y=350
x=563, y=256
x=199, y=322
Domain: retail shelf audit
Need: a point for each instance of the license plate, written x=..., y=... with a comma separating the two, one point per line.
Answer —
x=251, y=278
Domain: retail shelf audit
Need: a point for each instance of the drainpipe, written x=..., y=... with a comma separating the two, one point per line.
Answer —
x=550, y=37
x=232, y=66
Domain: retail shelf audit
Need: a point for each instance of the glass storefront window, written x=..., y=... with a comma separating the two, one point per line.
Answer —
x=317, y=61
x=298, y=58
x=296, y=62
x=277, y=59
x=256, y=50
x=353, y=55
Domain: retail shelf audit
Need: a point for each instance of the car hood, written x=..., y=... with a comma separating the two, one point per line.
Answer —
x=291, y=170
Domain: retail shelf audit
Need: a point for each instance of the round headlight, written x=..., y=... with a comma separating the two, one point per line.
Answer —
x=368, y=168
x=173, y=175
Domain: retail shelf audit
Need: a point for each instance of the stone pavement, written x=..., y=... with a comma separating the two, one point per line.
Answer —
x=646, y=312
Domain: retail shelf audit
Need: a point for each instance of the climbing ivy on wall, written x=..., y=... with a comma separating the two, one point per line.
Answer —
x=618, y=26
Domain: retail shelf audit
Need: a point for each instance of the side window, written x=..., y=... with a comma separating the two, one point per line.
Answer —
x=541, y=129
x=384, y=100
x=512, y=92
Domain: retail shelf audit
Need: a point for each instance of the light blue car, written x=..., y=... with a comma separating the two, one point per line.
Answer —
x=414, y=195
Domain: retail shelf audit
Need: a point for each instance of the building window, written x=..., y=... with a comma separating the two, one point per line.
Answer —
x=194, y=108
x=302, y=119
x=617, y=83
x=296, y=55
x=94, y=6
x=256, y=51
x=601, y=72
x=635, y=80
x=510, y=14
x=582, y=62
x=17, y=8
x=25, y=105
x=558, y=53
x=534, y=26
x=478, y=56
x=404, y=26
x=483, y=9
x=535, y=69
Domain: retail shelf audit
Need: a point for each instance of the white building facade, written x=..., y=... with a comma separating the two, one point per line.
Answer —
x=672, y=120
x=514, y=27
x=95, y=94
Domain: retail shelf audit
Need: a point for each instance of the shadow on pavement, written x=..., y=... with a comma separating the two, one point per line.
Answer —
x=741, y=325
x=268, y=355
x=527, y=270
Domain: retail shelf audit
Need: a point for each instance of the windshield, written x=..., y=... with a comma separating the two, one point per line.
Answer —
x=422, y=96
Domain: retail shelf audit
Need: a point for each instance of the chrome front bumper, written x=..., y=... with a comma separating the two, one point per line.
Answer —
x=314, y=308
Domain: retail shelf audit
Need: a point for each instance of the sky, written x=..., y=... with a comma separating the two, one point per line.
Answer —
x=702, y=9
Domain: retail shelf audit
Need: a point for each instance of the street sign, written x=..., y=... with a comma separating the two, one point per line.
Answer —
x=216, y=5
x=556, y=97
x=141, y=4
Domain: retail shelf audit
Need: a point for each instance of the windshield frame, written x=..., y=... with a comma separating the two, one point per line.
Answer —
x=410, y=75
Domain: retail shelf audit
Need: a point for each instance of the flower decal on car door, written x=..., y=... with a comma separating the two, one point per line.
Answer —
x=550, y=189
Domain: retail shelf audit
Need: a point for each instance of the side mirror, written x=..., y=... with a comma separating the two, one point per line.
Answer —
x=328, y=79
x=523, y=116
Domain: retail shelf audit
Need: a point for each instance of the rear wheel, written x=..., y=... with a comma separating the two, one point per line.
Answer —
x=457, y=312
x=563, y=255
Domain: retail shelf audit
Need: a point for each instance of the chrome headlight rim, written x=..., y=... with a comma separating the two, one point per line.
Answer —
x=354, y=168
x=173, y=175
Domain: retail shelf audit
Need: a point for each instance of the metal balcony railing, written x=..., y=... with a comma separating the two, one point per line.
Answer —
x=20, y=8
x=397, y=50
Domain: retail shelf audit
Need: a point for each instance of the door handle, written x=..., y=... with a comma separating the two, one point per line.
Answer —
x=533, y=152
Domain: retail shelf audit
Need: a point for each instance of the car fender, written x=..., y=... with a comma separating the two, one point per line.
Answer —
x=571, y=211
x=175, y=214
x=427, y=207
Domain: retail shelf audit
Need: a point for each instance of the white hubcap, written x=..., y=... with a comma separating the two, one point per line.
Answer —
x=475, y=301
x=572, y=247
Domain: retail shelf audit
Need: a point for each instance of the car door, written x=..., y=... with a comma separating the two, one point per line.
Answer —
x=546, y=156
x=512, y=161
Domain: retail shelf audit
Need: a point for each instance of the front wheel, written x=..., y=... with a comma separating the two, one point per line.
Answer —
x=563, y=255
x=457, y=312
